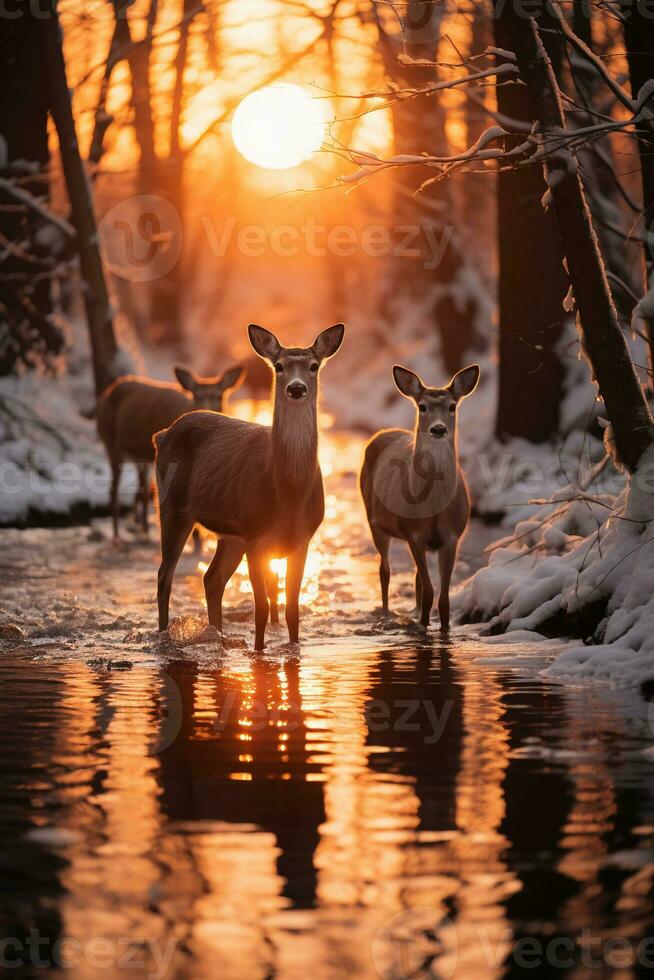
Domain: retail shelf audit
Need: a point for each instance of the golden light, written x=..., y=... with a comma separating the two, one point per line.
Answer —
x=278, y=127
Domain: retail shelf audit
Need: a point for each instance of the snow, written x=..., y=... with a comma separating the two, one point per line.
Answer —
x=590, y=552
x=50, y=458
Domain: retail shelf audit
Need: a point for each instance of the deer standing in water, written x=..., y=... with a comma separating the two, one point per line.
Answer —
x=413, y=488
x=258, y=487
x=132, y=409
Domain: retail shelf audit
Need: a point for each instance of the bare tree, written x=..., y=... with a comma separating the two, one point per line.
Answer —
x=28, y=333
x=448, y=298
x=601, y=338
x=137, y=56
x=94, y=288
x=639, y=40
x=611, y=206
x=167, y=294
x=532, y=280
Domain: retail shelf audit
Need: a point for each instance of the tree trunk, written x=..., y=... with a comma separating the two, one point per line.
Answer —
x=139, y=54
x=432, y=282
x=532, y=286
x=96, y=299
x=601, y=338
x=582, y=21
x=28, y=335
x=103, y=120
x=639, y=42
x=477, y=205
x=167, y=293
x=603, y=190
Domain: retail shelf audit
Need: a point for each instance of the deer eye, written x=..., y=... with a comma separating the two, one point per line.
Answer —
x=313, y=368
x=278, y=368
x=452, y=408
x=422, y=408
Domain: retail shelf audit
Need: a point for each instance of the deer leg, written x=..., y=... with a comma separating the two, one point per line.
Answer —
x=272, y=588
x=383, y=543
x=174, y=533
x=197, y=542
x=116, y=470
x=418, y=592
x=144, y=495
x=420, y=557
x=446, y=559
x=256, y=568
x=223, y=565
x=294, y=576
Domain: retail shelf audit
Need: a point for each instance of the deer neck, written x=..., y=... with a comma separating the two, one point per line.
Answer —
x=294, y=446
x=434, y=464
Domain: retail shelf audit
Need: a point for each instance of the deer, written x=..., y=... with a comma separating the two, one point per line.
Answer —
x=132, y=409
x=258, y=487
x=413, y=488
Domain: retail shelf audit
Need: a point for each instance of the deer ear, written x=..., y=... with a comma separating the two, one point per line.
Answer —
x=264, y=342
x=465, y=382
x=327, y=343
x=408, y=383
x=185, y=378
x=232, y=377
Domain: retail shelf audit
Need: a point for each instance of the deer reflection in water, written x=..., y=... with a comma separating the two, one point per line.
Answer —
x=265, y=810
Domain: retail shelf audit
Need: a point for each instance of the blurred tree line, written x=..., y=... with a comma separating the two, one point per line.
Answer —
x=510, y=235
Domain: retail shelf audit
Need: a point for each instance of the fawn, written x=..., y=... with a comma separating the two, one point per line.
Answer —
x=413, y=488
x=258, y=487
x=132, y=409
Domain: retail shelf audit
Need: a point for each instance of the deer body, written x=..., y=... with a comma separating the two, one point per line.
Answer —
x=413, y=488
x=258, y=487
x=235, y=480
x=132, y=409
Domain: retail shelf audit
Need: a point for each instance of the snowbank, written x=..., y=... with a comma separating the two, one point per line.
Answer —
x=51, y=461
x=585, y=566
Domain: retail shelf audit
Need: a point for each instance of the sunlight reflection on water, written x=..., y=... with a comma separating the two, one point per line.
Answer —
x=298, y=818
x=381, y=804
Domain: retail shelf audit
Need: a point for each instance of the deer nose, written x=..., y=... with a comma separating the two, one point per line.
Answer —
x=296, y=389
x=439, y=430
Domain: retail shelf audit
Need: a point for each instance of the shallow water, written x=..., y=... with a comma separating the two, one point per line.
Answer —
x=397, y=812
x=376, y=803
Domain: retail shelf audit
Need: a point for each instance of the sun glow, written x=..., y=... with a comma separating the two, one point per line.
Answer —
x=278, y=127
x=310, y=583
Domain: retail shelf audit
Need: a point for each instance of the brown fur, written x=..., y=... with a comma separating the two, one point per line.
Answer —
x=132, y=409
x=258, y=487
x=413, y=488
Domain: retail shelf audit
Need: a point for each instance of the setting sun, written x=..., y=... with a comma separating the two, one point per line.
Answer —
x=278, y=127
